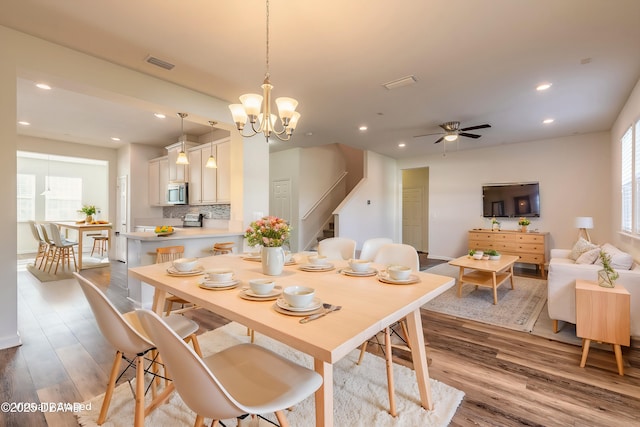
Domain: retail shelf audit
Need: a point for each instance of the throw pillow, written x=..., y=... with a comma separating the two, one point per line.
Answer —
x=589, y=257
x=619, y=260
x=581, y=246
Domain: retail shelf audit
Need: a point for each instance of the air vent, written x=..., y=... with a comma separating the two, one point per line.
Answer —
x=159, y=62
x=405, y=81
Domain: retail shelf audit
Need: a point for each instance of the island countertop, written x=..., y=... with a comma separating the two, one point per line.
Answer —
x=183, y=233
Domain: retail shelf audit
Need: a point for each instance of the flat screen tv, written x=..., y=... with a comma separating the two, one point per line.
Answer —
x=511, y=200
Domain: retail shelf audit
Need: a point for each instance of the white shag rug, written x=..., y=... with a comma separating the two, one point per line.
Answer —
x=360, y=393
x=517, y=309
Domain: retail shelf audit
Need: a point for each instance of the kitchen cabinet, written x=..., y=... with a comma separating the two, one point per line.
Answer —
x=178, y=173
x=207, y=186
x=223, y=183
x=158, y=178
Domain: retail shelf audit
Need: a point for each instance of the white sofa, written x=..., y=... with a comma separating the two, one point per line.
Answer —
x=561, y=287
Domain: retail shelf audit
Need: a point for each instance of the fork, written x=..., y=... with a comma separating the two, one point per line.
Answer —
x=328, y=308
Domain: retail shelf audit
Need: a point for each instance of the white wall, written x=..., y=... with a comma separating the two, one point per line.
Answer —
x=574, y=175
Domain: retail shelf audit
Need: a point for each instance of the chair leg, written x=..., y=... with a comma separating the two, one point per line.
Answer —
x=138, y=420
x=389, y=360
x=110, y=387
x=196, y=345
x=282, y=419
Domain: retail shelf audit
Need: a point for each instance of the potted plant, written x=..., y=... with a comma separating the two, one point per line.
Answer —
x=607, y=276
x=495, y=224
x=271, y=233
x=89, y=211
x=493, y=254
x=523, y=223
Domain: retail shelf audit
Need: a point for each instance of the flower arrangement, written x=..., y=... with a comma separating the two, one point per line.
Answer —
x=523, y=221
x=88, y=210
x=268, y=231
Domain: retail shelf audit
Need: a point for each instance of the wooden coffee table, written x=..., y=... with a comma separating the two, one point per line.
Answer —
x=488, y=273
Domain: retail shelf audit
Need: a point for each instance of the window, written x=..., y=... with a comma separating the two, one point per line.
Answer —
x=65, y=198
x=630, y=180
x=26, y=197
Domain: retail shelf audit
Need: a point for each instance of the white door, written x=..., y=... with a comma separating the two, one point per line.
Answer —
x=281, y=193
x=120, y=225
x=412, y=213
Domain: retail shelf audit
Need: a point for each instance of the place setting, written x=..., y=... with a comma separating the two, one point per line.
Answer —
x=182, y=267
x=219, y=279
x=359, y=268
x=398, y=275
x=317, y=263
x=261, y=290
x=298, y=301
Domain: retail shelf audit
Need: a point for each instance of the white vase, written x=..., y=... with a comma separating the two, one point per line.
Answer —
x=272, y=261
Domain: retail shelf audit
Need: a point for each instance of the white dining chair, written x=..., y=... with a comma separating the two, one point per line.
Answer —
x=370, y=247
x=63, y=250
x=132, y=343
x=401, y=254
x=337, y=248
x=242, y=379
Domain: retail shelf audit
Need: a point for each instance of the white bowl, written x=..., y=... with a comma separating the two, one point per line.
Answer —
x=185, y=264
x=477, y=255
x=399, y=272
x=219, y=275
x=318, y=259
x=359, y=265
x=298, y=296
x=261, y=286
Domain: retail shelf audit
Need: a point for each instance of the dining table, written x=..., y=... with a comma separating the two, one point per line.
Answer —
x=82, y=227
x=369, y=304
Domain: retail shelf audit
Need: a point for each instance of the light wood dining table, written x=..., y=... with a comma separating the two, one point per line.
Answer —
x=82, y=228
x=368, y=306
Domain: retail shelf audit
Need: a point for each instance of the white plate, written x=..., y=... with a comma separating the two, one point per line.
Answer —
x=230, y=285
x=315, y=267
x=383, y=276
x=277, y=290
x=315, y=304
x=172, y=271
x=296, y=313
x=210, y=284
x=252, y=257
x=350, y=272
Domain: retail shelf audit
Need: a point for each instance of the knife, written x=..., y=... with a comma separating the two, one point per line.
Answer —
x=329, y=308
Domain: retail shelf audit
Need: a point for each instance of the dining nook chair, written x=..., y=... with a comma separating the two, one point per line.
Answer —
x=167, y=254
x=63, y=250
x=370, y=247
x=402, y=254
x=242, y=379
x=133, y=345
x=337, y=248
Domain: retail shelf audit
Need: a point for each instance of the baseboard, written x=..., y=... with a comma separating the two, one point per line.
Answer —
x=10, y=341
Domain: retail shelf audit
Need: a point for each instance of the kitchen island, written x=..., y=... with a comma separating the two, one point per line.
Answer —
x=197, y=241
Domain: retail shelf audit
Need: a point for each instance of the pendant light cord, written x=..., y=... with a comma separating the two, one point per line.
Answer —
x=267, y=50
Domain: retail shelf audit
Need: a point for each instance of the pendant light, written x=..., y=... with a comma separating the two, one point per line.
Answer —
x=48, y=190
x=182, y=157
x=211, y=162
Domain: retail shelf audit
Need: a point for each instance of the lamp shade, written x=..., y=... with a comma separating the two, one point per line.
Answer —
x=584, y=222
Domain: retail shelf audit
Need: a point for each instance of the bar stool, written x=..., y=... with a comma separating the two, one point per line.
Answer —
x=222, y=248
x=100, y=243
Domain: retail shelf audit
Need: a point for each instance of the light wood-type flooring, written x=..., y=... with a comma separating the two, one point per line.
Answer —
x=509, y=378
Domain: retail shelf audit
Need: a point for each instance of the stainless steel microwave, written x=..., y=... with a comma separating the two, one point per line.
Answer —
x=177, y=193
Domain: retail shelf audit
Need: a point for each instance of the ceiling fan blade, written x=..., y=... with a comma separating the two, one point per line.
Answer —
x=470, y=135
x=439, y=140
x=476, y=127
x=427, y=134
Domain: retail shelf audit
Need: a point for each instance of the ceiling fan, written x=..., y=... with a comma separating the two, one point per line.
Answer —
x=452, y=131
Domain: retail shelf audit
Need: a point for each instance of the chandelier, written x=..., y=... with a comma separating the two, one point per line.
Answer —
x=257, y=109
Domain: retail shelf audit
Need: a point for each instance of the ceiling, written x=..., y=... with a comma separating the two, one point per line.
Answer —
x=474, y=61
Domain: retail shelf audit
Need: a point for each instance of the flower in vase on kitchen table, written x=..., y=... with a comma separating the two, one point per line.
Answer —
x=268, y=231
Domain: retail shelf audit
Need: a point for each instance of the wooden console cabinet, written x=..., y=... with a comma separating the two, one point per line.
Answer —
x=529, y=247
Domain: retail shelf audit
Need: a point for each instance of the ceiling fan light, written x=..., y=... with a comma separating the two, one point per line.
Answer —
x=451, y=137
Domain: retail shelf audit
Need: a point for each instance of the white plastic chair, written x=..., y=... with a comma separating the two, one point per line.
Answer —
x=43, y=245
x=337, y=248
x=370, y=247
x=393, y=253
x=243, y=379
x=124, y=332
x=62, y=248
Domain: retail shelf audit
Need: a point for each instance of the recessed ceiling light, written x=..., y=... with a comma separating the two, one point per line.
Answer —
x=547, y=121
x=363, y=128
x=404, y=81
x=309, y=134
x=402, y=145
x=43, y=86
x=543, y=86
x=159, y=115
x=23, y=123
x=115, y=138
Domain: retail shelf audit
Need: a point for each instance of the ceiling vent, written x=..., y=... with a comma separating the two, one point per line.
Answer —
x=405, y=81
x=159, y=63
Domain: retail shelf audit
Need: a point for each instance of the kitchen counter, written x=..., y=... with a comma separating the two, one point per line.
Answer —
x=183, y=233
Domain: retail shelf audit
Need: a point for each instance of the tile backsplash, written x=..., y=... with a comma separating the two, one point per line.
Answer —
x=208, y=211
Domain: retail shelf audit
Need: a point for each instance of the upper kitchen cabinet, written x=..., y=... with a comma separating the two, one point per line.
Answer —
x=178, y=173
x=207, y=185
x=158, y=181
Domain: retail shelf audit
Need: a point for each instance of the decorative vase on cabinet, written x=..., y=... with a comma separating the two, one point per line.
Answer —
x=272, y=260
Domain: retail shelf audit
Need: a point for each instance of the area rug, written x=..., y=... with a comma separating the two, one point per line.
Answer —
x=44, y=276
x=360, y=393
x=517, y=309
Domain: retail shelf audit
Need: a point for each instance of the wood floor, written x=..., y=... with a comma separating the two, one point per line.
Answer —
x=510, y=378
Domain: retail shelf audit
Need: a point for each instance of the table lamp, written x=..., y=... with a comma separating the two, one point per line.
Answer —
x=584, y=223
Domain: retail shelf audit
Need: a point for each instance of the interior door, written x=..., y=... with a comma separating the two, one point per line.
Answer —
x=412, y=209
x=120, y=225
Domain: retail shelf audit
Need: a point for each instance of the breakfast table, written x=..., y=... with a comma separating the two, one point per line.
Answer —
x=370, y=302
x=81, y=228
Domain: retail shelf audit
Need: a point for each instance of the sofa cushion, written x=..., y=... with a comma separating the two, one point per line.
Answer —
x=581, y=246
x=619, y=260
x=589, y=257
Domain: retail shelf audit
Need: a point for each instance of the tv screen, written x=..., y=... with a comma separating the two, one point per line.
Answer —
x=511, y=200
